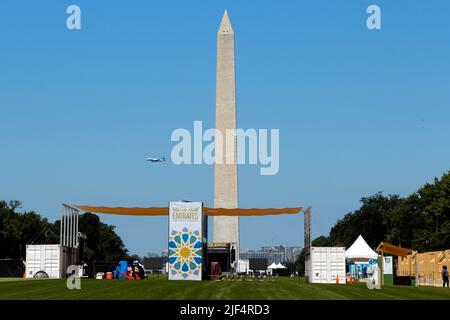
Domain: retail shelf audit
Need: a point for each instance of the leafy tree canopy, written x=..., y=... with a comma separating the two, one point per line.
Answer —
x=19, y=229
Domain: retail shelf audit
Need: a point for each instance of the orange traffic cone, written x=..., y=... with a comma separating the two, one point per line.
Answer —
x=337, y=279
x=350, y=280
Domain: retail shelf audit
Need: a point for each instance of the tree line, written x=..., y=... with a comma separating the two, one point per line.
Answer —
x=17, y=229
x=420, y=221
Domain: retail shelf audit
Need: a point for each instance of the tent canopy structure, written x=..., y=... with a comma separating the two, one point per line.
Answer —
x=388, y=248
x=164, y=211
x=360, y=250
x=276, y=266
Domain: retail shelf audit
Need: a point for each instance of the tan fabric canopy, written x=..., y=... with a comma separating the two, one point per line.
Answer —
x=154, y=211
x=164, y=211
x=250, y=212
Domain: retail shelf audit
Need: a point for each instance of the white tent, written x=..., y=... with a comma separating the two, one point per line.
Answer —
x=280, y=266
x=272, y=266
x=360, y=250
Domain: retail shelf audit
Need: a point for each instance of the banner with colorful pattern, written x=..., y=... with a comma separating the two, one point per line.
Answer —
x=185, y=241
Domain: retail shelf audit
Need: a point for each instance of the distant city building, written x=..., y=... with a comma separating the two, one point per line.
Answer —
x=155, y=255
x=152, y=255
x=292, y=253
x=274, y=254
x=276, y=251
x=248, y=254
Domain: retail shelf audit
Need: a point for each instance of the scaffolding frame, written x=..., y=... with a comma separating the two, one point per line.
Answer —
x=69, y=226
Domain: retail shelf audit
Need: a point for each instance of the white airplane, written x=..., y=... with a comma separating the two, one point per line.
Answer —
x=156, y=159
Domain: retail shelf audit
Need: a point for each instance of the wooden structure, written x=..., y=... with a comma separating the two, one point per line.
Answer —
x=390, y=249
x=426, y=266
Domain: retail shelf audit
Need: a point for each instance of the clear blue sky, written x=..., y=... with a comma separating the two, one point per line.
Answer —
x=359, y=111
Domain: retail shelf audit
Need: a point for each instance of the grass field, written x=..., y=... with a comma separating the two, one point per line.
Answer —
x=161, y=288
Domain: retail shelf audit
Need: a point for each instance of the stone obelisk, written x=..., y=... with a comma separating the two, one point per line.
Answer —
x=226, y=229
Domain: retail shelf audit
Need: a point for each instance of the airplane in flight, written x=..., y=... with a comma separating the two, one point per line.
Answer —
x=156, y=159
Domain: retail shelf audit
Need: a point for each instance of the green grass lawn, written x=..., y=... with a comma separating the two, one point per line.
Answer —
x=161, y=288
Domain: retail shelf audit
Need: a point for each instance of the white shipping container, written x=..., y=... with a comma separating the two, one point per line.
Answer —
x=325, y=264
x=53, y=259
x=243, y=266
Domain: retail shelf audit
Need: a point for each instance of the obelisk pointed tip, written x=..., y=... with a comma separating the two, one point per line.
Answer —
x=225, y=24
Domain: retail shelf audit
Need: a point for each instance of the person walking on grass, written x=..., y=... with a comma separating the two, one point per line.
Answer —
x=444, y=276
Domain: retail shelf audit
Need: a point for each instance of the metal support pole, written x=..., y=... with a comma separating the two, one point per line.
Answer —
x=67, y=228
x=60, y=226
x=76, y=228
x=66, y=240
x=307, y=243
x=71, y=227
x=417, y=270
x=63, y=241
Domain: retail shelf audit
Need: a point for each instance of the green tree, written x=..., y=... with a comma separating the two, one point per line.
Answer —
x=89, y=224
x=110, y=247
x=102, y=243
x=422, y=220
x=368, y=220
x=19, y=229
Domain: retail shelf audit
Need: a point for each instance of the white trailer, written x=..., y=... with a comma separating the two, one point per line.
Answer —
x=243, y=266
x=49, y=260
x=326, y=265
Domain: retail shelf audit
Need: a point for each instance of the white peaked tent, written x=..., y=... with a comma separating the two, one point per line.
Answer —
x=272, y=266
x=360, y=250
x=275, y=266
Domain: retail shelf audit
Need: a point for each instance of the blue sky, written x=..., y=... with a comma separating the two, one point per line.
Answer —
x=359, y=111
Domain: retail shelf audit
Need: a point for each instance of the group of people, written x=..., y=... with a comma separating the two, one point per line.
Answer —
x=134, y=271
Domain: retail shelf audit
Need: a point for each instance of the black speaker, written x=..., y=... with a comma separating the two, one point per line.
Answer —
x=233, y=255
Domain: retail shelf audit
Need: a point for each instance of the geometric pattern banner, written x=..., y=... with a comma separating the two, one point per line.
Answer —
x=185, y=241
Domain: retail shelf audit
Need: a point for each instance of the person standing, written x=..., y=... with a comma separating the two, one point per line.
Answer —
x=444, y=276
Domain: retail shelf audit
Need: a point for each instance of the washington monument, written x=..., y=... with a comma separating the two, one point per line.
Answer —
x=226, y=229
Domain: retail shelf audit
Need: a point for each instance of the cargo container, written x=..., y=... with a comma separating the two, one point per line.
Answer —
x=49, y=260
x=243, y=266
x=326, y=265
